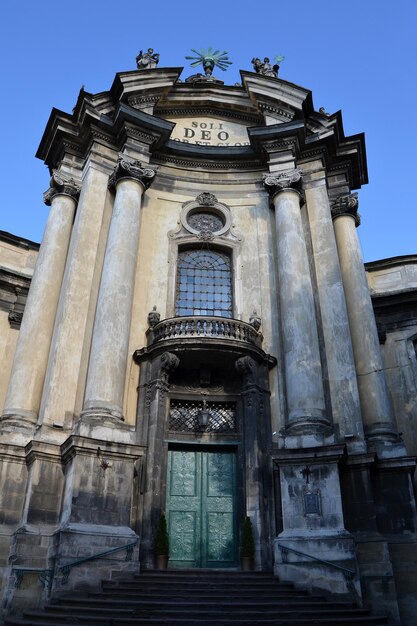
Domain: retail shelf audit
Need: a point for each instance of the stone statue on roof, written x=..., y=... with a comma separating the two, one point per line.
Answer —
x=147, y=60
x=266, y=68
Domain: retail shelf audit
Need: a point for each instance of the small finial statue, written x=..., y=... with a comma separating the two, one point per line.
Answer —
x=266, y=68
x=153, y=317
x=255, y=320
x=147, y=60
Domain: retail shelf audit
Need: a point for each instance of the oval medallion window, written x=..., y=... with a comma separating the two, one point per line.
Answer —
x=205, y=222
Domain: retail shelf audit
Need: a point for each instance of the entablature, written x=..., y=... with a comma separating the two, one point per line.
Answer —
x=119, y=115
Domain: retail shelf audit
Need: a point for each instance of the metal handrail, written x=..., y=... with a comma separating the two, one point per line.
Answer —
x=347, y=573
x=45, y=576
x=66, y=569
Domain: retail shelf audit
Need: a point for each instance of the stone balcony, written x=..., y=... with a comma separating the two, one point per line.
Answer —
x=204, y=332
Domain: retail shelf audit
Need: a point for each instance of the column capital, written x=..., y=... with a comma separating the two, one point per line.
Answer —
x=283, y=181
x=131, y=169
x=61, y=184
x=346, y=205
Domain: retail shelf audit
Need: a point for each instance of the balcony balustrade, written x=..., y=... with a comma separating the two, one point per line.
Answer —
x=204, y=327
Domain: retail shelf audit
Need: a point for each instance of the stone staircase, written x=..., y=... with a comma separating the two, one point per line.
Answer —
x=198, y=597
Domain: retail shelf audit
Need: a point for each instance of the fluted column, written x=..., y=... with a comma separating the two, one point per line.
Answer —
x=303, y=375
x=26, y=381
x=109, y=350
x=376, y=409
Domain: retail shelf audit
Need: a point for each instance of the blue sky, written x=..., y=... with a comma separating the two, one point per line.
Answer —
x=357, y=56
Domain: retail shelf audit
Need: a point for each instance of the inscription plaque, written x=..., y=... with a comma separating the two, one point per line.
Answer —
x=207, y=131
x=312, y=503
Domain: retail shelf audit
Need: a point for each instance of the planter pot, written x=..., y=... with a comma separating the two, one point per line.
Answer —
x=161, y=561
x=246, y=563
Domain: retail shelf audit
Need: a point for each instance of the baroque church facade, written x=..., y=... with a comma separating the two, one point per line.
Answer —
x=202, y=339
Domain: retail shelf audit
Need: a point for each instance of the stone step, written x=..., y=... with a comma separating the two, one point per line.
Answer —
x=209, y=598
x=199, y=612
x=37, y=619
x=198, y=584
x=185, y=603
x=204, y=597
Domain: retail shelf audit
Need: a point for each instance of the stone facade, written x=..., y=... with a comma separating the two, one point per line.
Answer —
x=200, y=290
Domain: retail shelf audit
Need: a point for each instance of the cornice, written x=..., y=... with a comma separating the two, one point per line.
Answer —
x=407, y=259
x=309, y=133
x=21, y=242
x=64, y=132
x=179, y=111
x=156, y=82
x=208, y=164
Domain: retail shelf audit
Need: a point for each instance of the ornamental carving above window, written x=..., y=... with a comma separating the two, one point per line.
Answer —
x=205, y=222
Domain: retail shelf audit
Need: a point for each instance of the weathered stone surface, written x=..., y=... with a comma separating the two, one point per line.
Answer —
x=319, y=464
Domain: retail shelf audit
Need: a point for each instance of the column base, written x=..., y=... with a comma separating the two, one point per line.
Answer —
x=20, y=425
x=387, y=448
x=99, y=424
x=311, y=423
x=102, y=412
x=380, y=431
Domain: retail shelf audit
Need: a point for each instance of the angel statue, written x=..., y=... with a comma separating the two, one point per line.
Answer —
x=266, y=68
x=147, y=60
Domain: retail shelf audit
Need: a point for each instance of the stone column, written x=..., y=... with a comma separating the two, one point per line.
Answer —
x=26, y=381
x=376, y=409
x=340, y=364
x=71, y=338
x=304, y=386
x=109, y=350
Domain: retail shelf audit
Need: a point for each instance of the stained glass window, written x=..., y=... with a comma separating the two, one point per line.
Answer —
x=204, y=283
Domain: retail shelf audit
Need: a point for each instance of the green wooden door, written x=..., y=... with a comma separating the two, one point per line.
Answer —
x=201, y=509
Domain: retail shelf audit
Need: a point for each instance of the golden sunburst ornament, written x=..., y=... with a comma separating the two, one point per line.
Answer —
x=210, y=59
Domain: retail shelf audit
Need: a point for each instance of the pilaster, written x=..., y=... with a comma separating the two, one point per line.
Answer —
x=258, y=470
x=156, y=374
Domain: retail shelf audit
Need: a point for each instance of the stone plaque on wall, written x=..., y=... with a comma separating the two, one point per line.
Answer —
x=208, y=131
x=312, y=503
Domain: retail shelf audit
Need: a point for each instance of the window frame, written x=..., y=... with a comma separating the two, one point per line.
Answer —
x=228, y=252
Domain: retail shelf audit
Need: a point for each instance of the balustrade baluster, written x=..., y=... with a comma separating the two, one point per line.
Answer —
x=205, y=327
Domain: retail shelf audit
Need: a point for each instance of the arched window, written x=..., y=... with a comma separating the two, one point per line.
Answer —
x=204, y=283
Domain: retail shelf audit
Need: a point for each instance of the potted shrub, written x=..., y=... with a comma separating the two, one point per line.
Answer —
x=161, y=544
x=247, y=546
